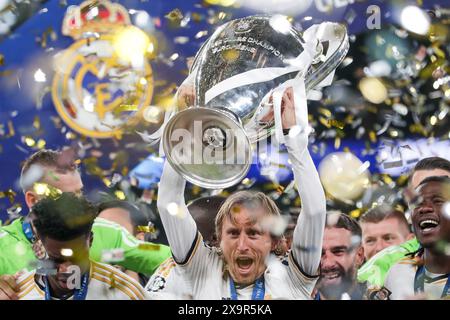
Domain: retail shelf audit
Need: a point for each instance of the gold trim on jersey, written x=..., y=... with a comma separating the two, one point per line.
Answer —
x=199, y=239
x=26, y=291
x=39, y=290
x=115, y=285
x=109, y=271
x=166, y=267
x=26, y=281
x=298, y=269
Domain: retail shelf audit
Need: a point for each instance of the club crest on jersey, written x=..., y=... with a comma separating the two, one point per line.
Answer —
x=95, y=89
x=158, y=283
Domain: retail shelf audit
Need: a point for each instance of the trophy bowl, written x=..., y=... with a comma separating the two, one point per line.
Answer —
x=235, y=72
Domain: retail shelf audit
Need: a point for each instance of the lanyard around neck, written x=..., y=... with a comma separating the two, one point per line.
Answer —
x=79, y=294
x=258, y=289
x=28, y=231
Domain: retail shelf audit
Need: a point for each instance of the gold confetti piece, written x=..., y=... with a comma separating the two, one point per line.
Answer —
x=402, y=180
x=124, y=108
x=29, y=141
x=146, y=229
x=41, y=144
x=325, y=112
x=280, y=189
x=71, y=136
x=355, y=213
x=11, y=132
x=337, y=142
x=10, y=194
x=174, y=15
x=196, y=190
x=106, y=181
x=120, y=195
x=336, y=123
x=372, y=136
x=221, y=15
x=386, y=179
x=324, y=121
x=37, y=123
x=196, y=17
x=235, y=210
x=2, y=60
x=149, y=246
x=43, y=189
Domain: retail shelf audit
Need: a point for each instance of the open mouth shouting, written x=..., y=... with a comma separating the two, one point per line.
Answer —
x=428, y=225
x=244, y=265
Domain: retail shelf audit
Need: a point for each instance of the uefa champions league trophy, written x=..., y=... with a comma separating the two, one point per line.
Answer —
x=236, y=71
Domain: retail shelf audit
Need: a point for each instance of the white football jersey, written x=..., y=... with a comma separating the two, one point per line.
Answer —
x=400, y=281
x=283, y=279
x=105, y=283
x=168, y=283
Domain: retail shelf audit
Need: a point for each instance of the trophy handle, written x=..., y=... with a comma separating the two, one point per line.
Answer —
x=318, y=72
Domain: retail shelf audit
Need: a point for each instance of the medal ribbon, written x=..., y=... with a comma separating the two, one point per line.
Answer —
x=258, y=290
x=79, y=294
x=419, y=282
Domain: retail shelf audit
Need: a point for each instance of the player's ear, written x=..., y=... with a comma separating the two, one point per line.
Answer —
x=31, y=199
x=359, y=256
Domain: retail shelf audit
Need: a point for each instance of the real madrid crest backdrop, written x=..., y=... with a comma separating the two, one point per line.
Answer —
x=98, y=76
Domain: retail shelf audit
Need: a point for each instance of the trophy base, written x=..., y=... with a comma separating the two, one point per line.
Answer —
x=208, y=147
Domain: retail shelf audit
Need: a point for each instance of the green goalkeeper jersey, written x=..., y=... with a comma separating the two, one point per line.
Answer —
x=16, y=251
x=375, y=270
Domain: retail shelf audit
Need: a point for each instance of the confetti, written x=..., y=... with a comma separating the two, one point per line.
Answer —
x=175, y=15
x=149, y=246
x=113, y=255
x=10, y=194
x=46, y=190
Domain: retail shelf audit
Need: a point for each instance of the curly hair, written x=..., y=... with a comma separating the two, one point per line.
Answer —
x=64, y=218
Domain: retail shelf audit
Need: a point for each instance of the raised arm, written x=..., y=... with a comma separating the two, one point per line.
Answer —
x=308, y=233
x=179, y=226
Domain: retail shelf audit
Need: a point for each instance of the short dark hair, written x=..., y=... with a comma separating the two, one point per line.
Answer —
x=61, y=160
x=346, y=222
x=382, y=212
x=137, y=217
x=441, y=179
x=430, y=163
x=63, y=218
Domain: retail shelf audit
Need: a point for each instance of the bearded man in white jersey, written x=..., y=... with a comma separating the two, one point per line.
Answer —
x=244, y=265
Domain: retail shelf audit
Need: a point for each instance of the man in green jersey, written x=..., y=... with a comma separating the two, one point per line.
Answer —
x=48, y=172
x=375, y=270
